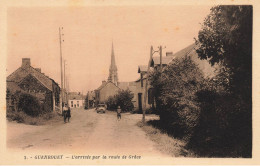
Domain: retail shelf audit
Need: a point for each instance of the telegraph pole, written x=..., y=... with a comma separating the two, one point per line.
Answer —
x=61, y=98
x=65, y=89
x=160, y=50
x=152, y=51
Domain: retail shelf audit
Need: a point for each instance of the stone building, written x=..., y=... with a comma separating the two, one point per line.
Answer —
x=106, y=90
x=30, y=80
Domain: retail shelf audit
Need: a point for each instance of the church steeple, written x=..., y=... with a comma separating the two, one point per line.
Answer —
x=113, y=69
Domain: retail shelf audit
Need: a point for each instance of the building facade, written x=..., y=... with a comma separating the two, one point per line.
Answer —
x=76, y=100
x=30, y=80
x=106, y=90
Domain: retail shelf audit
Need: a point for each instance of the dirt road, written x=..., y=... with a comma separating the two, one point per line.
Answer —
x=87, y=132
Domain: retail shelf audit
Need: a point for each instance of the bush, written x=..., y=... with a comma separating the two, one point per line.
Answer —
x=175, y=88
x=29, y=105
x=112, y=103
x=19, y=117
x=223, y=129
x=122, y=99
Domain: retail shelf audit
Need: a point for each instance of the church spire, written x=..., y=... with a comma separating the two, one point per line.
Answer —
x=113, y=69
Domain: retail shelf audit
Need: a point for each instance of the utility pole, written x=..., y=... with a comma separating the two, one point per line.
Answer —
x=65, y=90
x=148, y=69
x=160, y=49
x=61, y=98
x=146, y=82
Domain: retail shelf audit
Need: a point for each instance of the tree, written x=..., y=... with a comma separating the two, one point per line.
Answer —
x=226, y=39
x=122, y=99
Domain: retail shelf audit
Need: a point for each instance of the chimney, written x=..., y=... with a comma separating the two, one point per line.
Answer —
x=169, y=54
x=26, y=62
x=38, y=69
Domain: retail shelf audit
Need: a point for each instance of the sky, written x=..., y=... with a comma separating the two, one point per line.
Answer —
x=88, y=35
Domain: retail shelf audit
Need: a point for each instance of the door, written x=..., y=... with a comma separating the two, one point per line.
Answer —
x=140, y=101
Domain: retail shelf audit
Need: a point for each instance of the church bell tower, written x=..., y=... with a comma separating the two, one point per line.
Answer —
x=113, y=69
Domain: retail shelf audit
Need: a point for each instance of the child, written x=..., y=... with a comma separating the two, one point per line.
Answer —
x=118, y=113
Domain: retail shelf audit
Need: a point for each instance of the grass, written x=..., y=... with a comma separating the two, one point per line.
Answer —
x=166, y=143
x=21, y=117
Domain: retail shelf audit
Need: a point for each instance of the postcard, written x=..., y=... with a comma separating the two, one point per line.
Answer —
x=129, y=82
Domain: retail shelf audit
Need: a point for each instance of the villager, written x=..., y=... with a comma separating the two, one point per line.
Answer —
x=69, y=114
x=118, y=112
x=65, y=112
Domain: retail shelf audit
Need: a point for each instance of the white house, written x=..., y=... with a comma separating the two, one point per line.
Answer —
x=76, y=100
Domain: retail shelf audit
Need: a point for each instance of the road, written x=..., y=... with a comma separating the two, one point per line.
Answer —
x=87, y=132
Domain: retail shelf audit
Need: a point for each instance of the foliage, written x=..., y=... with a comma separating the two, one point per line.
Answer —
x=226, y=38
x=21, y=117
x=122, y=99
x=29, y=105
x=175, y=88
x=225, y=123
x=112, y=102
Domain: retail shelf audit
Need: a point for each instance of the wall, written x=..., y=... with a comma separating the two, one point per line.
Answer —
x=75, y=102
x=109, y=90
x=32, y=86
x=138, y=89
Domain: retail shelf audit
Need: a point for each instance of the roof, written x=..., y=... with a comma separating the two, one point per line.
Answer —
x=204, y=65
x=104, y=84
x=185, y=51
x=22, y=72
x=165, y=60
x=76, y=97
x=142, y=68
x=126, y=85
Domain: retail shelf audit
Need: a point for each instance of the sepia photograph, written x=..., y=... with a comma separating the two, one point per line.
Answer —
x=128, y=84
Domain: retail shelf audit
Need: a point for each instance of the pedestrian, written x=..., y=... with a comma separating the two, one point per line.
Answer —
x=118, y=113
x=65, y=112
x=68, y=114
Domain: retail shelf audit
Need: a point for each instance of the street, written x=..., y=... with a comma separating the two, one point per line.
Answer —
x=87, y=132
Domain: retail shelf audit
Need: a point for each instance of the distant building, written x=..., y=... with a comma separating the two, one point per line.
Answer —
x=91, y=96
x=30, y=80
x=106, y=90
x=76, y=100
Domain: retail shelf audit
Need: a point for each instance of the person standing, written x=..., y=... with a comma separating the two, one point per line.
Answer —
x=65, y=112
x=118, y=113
x=68, y=114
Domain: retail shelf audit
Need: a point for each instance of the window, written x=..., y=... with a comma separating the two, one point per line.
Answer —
x=71, y=103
